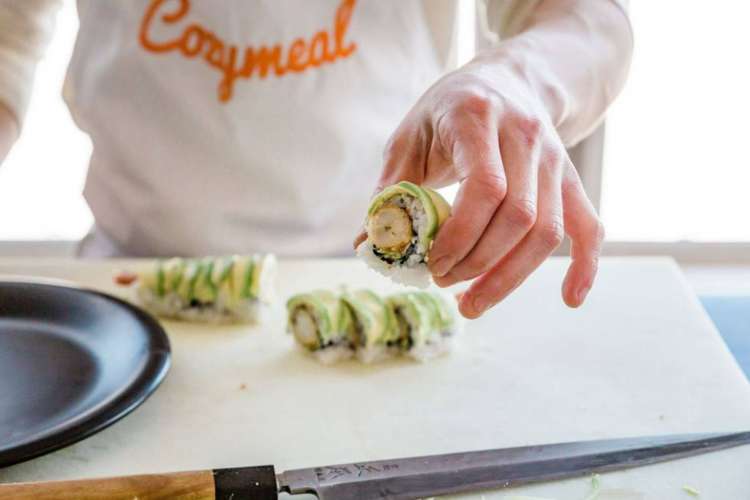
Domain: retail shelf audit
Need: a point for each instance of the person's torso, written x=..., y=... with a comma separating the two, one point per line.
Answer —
x=241, y=125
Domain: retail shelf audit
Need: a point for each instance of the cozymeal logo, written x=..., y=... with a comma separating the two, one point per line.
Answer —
x=195, y=41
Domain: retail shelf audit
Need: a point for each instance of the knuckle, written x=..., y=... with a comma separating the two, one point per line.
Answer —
x=552, y=156
x=551, y=234
x=531, y=129
x=478, y=264
x=599, y=231
x=494, y=187
x=479, y=103
x=475, y=98
x=522, y=213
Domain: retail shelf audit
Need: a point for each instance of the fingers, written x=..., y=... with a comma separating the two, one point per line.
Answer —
x=545, y=236
x=586, y=233
x=361, y=237
x=403, y=160
x=517, y=213
x=476, y=156
x=404, y=157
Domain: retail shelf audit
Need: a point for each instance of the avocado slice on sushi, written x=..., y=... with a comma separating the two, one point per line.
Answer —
x=413, y=317
x=160, y=280
x=391, y=223
x=324, y=309
x=149, y=278
x=193, y=272
x=243, y=270
x=221, y=275
x=401, y=224
x=204, y=291
x=373, y=319
x=174, y=271
x=313, y=318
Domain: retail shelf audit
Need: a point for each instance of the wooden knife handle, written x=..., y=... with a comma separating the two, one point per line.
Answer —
x=243, y=483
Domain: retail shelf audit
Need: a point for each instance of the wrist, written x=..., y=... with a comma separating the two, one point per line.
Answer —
x=520, y=61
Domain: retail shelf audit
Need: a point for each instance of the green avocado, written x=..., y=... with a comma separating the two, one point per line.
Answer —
x=316, y=302
x=192, y=273
x=414, y=317
x=174, y=271
x=435, y=207
x=222, y=270
x=205, y=291
x=160, y=279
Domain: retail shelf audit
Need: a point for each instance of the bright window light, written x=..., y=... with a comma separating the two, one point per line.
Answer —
x=42, y=177
x=675, y=166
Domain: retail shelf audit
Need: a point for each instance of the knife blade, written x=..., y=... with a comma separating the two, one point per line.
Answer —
x=398, y=479
x=420, y=477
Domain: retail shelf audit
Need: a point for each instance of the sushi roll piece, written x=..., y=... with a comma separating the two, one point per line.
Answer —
x=376, y=333
x=321, y=324
x=233, y=289
x=401, y=225
x=426, y=321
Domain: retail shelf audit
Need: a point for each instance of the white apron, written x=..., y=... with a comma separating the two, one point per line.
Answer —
x=241, y=126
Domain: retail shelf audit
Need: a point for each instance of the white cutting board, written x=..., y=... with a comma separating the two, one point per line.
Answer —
x=641, y=357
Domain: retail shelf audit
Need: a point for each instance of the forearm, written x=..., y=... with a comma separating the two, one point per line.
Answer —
x=575, y=56
x=25, y=29
x=8, y=131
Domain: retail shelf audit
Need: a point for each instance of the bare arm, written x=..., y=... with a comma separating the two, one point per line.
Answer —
x=499, y=126
x=25, y=28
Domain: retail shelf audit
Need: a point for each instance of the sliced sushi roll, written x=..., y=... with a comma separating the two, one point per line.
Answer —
x=426, y=322
x=209, y=290
x=376, y=333
x=321, y=324
x=401, y=224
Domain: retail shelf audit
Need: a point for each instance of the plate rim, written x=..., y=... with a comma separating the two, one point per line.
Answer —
x=158, y=362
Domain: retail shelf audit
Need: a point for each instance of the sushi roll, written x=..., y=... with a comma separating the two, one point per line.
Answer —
x=209, y=290
x=376, y=333
x=321, y=324
x=401, y=224
x=426, y=322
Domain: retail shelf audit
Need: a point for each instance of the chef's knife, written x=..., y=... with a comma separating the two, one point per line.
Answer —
x=405, y=478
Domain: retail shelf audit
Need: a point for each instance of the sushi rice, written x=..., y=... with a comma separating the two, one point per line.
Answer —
x=401, y=225
x=234, y=289
x=427, y=323
x=321, y=324
x=361, y=323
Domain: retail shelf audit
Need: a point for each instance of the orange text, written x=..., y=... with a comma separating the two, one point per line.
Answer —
x=195, y=41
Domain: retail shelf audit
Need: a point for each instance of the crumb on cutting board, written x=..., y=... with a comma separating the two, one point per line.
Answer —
x=243, y=386
x=596, y=486
x=691, y=491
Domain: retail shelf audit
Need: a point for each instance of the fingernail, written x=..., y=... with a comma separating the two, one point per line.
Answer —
x=582, y=293
x=441, y=266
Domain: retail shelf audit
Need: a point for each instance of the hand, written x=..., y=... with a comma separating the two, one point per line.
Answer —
x=8, y=131
x=485, y=127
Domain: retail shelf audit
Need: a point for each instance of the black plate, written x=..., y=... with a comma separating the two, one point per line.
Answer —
x=72, y=362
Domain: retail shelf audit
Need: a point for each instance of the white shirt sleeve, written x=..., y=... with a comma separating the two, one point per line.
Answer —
x=25, y=29
x=500, y=19
x=590, y=89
